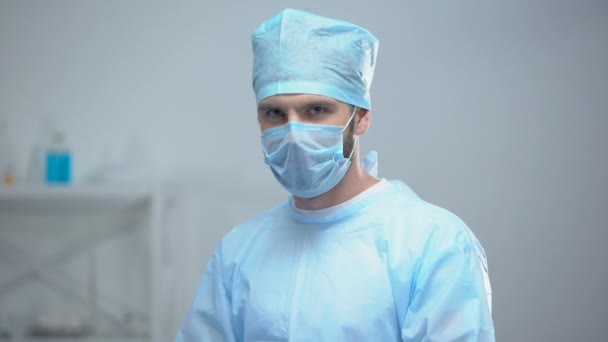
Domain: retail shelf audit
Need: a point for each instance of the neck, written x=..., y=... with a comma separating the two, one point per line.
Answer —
x=354, y=182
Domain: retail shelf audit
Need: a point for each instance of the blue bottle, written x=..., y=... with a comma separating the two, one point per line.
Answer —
x=58, y=161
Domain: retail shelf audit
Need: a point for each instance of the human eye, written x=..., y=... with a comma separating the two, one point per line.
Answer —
x=273, y=113
x=317, y=110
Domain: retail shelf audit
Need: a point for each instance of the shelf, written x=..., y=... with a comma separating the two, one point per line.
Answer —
x=52, y=206
x=72, y=197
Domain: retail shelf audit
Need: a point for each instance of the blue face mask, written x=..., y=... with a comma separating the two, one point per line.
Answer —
x=307, y=159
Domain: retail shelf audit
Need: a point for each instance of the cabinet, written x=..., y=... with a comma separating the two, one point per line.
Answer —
x=80, y=263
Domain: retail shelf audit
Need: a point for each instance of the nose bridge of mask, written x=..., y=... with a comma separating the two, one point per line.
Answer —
x=308, y=136
x=320, y=137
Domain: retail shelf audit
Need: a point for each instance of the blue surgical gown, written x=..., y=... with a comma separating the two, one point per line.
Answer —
x=384, y=266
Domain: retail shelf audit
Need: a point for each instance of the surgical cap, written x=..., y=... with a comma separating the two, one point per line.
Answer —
x=299, y=52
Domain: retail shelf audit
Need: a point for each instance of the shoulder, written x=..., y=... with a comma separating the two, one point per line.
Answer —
x=417, y=223
x=403, y=203
x=242, y=236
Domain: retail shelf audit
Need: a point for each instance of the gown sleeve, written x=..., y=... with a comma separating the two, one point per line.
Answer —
x=449, y=295
x=210, y=316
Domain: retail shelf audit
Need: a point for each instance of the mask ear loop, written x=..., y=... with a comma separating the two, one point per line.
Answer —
x=356, y=136
x=350, y=119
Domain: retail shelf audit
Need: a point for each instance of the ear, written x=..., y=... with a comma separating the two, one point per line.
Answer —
x=363, y=122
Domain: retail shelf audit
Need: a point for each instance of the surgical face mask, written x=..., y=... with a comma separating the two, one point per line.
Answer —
x=307, y=159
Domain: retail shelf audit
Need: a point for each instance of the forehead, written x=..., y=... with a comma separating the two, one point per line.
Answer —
x=296, y=100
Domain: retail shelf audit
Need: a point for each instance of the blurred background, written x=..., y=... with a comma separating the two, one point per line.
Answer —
x=145, y=112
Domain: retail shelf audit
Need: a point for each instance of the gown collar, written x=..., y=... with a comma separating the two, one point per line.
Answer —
x=338, y=211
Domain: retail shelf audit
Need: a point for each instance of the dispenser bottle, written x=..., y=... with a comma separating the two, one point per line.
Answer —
x=58, y=160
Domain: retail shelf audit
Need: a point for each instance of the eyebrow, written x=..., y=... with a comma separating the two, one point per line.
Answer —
x=322, y=103
x=266, y=107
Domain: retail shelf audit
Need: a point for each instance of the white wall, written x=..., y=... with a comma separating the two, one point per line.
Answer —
x=494, y=110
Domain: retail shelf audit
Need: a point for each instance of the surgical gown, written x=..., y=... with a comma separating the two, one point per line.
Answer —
x=383, y=266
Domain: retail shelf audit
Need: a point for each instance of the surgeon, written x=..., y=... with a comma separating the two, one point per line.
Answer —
x=348, y=256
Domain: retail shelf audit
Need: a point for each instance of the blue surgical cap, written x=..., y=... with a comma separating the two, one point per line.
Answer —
x=299, y=52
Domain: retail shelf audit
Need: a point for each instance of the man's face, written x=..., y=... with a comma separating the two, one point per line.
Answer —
x=280, y=109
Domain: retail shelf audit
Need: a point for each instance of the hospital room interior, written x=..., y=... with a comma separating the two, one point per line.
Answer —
x=130, y=146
